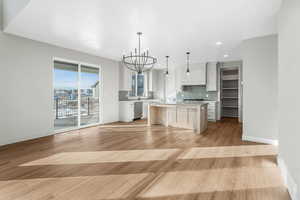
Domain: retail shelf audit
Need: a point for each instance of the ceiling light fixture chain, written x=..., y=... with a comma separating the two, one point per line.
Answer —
x=167, y=72
x=137, y=61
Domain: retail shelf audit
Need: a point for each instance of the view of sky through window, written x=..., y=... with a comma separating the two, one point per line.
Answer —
x=65, y=79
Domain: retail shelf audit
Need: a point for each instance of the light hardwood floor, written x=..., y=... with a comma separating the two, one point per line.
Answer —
x=133, y=161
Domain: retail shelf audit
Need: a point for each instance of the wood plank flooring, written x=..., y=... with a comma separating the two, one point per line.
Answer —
x=132, y=161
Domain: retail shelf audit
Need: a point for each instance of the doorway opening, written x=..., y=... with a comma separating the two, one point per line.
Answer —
x=231, y=90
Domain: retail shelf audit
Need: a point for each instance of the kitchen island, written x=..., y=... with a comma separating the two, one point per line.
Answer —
x=180, y=115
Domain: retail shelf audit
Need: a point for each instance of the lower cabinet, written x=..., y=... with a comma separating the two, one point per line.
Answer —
x=145, y=109
x=130, y=110
x=126, y=111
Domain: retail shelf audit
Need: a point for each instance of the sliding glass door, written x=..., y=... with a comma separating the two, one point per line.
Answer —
x=65, y=95
x=76, y=95
x=89, y=95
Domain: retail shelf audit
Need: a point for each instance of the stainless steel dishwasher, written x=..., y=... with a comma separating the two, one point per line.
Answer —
x=138, y=110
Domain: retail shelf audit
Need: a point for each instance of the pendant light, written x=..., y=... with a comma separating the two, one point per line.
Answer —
x=167, y=72
x=188, y=63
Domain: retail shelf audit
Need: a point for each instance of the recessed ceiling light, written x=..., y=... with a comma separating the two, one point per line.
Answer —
x=226, y=56
x=219, y=43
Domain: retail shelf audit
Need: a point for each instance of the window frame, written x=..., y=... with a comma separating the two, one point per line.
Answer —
x=101, y=86
x=145, y=93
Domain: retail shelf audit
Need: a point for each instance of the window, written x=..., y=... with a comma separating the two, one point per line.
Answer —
x=138, y=85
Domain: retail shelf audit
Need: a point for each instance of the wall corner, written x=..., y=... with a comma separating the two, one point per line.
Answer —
x=288, y=179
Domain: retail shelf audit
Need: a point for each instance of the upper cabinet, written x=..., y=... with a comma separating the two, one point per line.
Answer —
x=125, y=78
x=212, y=77
x=197, y=75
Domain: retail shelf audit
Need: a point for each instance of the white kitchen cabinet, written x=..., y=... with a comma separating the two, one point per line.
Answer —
x=212, y=77
x=145, y=109
x=125, y=78
x=126, y=111
x=197, y=75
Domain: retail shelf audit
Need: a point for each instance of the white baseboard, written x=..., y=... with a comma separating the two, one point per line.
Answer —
x=261, y=140
x=288, y=179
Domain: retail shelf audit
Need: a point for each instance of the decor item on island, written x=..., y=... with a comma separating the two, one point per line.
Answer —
x=167, y=72
x=187, y=63
x=138, y=61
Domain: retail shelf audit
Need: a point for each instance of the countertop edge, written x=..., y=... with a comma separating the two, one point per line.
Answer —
x=179, y=104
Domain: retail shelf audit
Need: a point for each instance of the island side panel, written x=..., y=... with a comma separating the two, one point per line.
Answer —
x=157, y=115
x=203, y=124
x=150, y=114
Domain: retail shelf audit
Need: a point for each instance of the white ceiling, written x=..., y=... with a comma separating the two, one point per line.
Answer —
x=171, y=27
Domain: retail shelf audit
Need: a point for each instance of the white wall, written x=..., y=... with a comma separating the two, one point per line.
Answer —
x=260, y=88
x=289, y=82
x=170, y=85
x=159, y=89
x=26, y=87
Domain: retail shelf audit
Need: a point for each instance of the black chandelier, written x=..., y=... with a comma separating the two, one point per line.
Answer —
x=139, y=61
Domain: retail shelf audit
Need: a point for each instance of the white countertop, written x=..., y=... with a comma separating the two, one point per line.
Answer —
x=171, y=103
x=142, y=100
x=178, y=104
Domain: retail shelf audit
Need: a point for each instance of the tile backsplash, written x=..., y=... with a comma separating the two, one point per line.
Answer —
x=123, y=95
x=188, y=92
x=196, y=92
